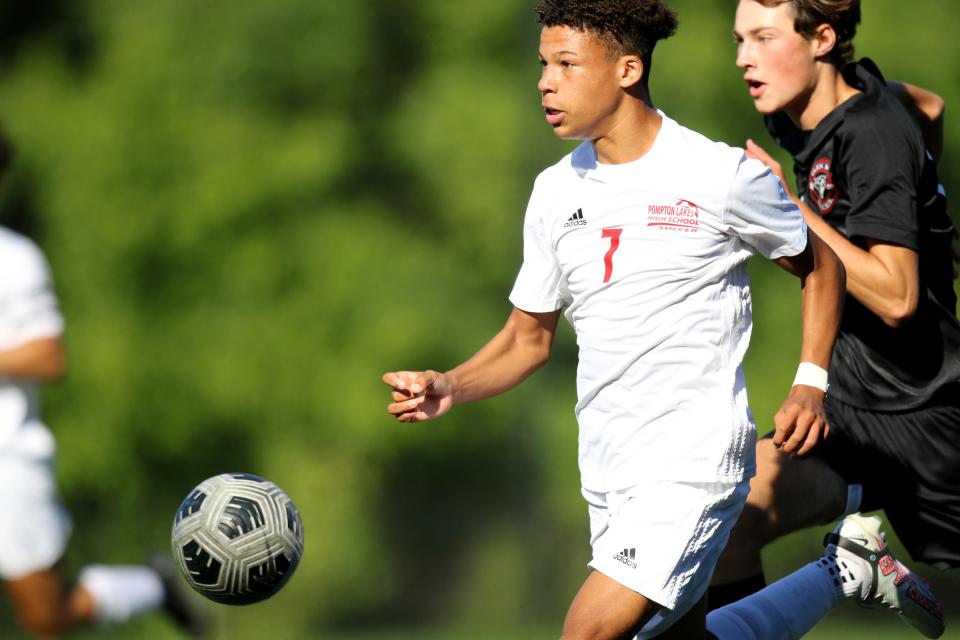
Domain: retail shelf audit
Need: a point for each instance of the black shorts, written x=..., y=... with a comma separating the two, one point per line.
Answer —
x=909, y=465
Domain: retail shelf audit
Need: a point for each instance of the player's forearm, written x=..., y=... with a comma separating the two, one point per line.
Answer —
x=503, y=363
x=892, y=294
x=41, y=359
x=823, y=290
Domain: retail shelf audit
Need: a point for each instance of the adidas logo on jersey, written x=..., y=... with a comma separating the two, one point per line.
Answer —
x=576, y=220
x=627, y=557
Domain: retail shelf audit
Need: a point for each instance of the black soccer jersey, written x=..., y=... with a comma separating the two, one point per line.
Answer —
x=865, y=169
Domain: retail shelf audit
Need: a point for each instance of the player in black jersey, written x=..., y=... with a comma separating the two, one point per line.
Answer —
x=869, y=187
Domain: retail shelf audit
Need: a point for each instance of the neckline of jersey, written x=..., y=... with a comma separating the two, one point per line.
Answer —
x=602, y=172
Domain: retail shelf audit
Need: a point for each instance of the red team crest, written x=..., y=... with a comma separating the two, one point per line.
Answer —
x=822, y=190
x=684, y=216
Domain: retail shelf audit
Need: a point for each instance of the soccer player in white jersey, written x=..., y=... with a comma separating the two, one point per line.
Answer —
x=640, y=238
x=34, y=527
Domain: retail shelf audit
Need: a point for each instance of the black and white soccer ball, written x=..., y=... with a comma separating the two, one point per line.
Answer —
x=237, y=538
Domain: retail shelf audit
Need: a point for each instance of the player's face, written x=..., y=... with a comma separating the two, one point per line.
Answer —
x=580, y=85
x=778, y=63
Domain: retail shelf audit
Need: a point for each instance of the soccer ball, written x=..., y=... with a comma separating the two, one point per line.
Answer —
x=237, y=538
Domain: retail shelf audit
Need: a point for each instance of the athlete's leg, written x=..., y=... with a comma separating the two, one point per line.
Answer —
x=654, y=549
x=106, y=594
x=34, y=529
x=786, y=495
x=44, y=608
x=788, y=608
x=605, y=609
x=856, y=567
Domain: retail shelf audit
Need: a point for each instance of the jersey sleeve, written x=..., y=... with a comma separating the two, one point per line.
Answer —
x=881, y=166
x=28, y=305
x=760, y=213
x=537, y=287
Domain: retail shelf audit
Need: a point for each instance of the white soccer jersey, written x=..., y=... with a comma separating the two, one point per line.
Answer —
x=648, y=260
x=28, y=311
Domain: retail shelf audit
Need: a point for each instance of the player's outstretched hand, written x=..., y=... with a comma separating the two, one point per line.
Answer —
x=801, y=422
x=755, y=151
x=418, y=395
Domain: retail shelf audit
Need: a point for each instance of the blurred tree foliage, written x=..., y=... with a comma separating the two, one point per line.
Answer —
x=254, y=209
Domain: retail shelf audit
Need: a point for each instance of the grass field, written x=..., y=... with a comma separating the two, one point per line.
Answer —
x=881, y=625
x=264, y=622
x=852, y=625
x=834, y=628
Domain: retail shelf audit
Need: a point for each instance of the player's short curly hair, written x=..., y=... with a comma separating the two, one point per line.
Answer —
x=625, y=27
x=842, y=15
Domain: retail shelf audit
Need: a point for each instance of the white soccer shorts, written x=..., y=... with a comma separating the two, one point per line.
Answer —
x=34, y=526
x=663, y=540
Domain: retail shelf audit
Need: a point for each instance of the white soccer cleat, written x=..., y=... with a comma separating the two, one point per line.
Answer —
x=890, y=583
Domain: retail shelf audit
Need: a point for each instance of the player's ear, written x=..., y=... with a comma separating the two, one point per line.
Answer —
x=631, y=71
x=824, y=40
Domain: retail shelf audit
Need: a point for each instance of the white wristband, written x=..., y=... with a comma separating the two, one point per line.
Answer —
x=812, y=376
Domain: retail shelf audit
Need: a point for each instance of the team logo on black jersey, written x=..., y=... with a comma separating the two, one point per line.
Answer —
x=822, y=190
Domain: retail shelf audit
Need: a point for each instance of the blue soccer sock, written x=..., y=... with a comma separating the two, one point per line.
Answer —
x=791, y=606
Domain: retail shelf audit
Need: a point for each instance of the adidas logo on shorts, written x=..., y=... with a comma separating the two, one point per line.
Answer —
x=627, y=557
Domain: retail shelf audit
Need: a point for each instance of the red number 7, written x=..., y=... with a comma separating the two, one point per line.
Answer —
x=614, y=235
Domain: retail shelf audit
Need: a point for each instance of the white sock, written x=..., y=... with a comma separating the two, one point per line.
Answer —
x=122, y=592
x=854, y=498
x=791, y=606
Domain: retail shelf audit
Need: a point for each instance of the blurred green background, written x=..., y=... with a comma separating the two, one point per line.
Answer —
x=255, y=208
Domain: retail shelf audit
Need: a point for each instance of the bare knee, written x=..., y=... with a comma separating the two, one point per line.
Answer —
x=603, y=609
x=790, y=493
x=599, y=627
